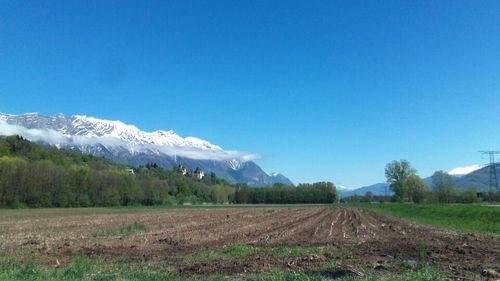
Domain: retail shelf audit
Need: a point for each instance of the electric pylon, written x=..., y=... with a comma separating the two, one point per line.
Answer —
x=493, y=170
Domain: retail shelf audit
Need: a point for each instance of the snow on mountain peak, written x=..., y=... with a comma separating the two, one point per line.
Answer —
x=84, y=131
x=93, y=127
x=234, y=164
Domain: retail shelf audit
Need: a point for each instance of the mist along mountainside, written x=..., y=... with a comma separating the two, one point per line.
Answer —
x=34, y=175
x=128, y=145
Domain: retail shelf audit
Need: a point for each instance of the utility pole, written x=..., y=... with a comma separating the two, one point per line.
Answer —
x=493, y=170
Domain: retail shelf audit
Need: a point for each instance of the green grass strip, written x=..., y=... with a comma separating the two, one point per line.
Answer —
x=83, y=269
x=465, y=217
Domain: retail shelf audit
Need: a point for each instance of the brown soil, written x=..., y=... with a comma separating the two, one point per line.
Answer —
x=363, y=239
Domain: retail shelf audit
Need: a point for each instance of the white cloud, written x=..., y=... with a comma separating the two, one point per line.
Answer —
x=201, y=154
x=49, y=136
x=343, y=187
x=56, y=138
x=465, y=170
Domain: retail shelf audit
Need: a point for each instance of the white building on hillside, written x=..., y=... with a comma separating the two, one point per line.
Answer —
x=198, y=174
x=182, y=170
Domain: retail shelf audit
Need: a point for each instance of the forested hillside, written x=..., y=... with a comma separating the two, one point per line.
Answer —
x=32, y=175
x=132, y=146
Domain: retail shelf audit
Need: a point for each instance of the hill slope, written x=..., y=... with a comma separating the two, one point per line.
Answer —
x=36, y=175
x=40, y=176
x=127, y=144
x=480, y=179
x=376, y=189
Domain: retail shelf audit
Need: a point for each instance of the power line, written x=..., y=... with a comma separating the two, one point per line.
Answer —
x=493, y=170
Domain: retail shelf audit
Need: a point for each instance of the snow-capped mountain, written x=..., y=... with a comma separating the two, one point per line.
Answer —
x=128, y=145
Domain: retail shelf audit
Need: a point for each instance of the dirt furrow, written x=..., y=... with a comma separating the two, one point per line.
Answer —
x=370, y=236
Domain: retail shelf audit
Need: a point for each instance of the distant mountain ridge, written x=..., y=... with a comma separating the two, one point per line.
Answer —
x=376, y=189
x=127, y=144
x=477, y=178
x=480, y=179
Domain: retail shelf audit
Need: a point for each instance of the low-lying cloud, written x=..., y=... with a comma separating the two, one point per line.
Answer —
x=53, y=137
x=49, y=136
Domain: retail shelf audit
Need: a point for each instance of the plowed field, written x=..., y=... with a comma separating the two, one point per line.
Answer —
x=358, y=238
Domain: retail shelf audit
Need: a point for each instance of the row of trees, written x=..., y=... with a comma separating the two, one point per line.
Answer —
x=320, y=192
x=33, y=175
x=409, y=187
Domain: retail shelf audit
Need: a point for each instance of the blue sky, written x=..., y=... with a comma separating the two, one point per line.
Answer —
x=323, y=90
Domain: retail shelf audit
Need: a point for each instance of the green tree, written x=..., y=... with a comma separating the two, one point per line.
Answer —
x=368, y=197
x=443, y=186
x=78, y=181
x=184, y=189
x=220, y=193
x=469, y=196
x=243, y=194
x=12, y=176
x=417, y=188
x=397, y=172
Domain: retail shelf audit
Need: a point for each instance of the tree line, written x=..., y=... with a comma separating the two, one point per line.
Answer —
x=320, y=192
x=33, y=175
x=409, y=187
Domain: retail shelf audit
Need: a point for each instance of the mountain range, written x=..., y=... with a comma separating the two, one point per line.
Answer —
x=477, y=177
x=126, y=144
